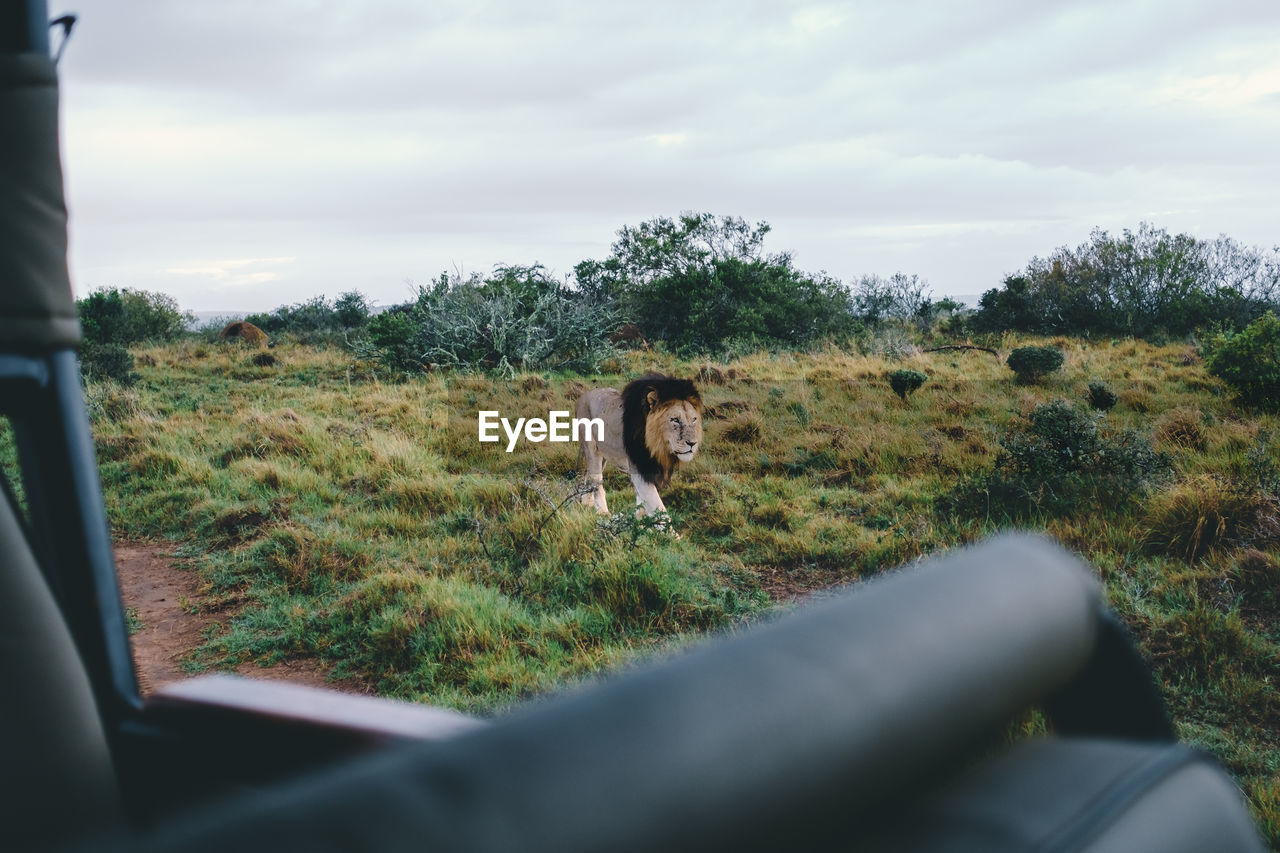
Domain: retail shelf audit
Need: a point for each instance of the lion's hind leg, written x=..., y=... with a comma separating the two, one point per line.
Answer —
x=594, y=480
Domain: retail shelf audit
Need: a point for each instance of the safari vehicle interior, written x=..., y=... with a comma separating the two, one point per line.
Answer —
x=877, y=719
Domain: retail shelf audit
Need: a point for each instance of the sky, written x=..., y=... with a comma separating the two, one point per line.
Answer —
x=240, y=155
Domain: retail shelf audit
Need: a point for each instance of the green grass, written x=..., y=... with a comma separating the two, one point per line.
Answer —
x=357, y=519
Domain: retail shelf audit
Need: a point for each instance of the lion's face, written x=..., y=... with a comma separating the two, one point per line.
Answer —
x=674, y=428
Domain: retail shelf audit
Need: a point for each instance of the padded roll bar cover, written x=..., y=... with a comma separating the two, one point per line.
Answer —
x=59, y=781
x=1086, y=794
x=763, y=737
x=36, y=307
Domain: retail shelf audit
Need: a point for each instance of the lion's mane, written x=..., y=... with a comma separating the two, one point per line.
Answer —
x=643, y=401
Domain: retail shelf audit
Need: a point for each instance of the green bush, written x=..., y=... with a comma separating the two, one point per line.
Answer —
x=389, y=340
x=124, y=317
x=767, y=303
x=1145, y=283
x=316, y=320
x=1249, y=361
x=1057, y=461
x=351, y=310
x=1101, y=397
x=1034, y=363
x=519, y=319
x=705, y=286
x=100, y=362
x=905, y=382
x=112, y=319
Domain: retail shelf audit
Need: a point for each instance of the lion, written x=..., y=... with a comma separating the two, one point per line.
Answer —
x=649, y=429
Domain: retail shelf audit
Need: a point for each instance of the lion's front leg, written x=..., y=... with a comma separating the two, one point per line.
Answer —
x=646, y=495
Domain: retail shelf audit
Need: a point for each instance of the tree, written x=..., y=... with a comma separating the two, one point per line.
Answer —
x=898, y=297
x=123, y=316
x=316, y=320
x=702, y=282
x=1139, y=283
x=665, y=248
x=351, y=310
x=113, y=319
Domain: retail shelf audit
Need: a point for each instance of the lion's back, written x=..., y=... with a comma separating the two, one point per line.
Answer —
x=605, y=403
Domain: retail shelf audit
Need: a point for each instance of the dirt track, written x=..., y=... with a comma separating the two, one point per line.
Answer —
x=163, y=594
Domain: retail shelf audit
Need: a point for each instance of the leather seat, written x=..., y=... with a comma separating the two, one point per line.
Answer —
x=59, y=780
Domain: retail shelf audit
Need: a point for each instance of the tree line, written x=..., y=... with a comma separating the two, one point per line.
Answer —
x=705, y=284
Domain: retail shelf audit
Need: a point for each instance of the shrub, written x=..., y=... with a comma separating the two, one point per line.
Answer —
x=1260, y=471
x=351, y=310
x=1100, y=397
x=704, y=285
x=316, y=320
x=1032, y=364
x=765, y=302
x=1249, y=361
x=388, y=340
x=521, y=319
x=101, y=361
x=1144, y=283
x=123, y=317
x=1057, y=461
x=905, y=382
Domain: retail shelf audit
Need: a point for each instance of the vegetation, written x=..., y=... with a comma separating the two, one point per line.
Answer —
x=341, y=514
x=705, y=285
x=900, y=297
x=904, y=382
x=339, y=507
x=1034, y=363
x=700, y=284
x=521, y=318
x=317, y=320
x=1057, y=460
x=1141, y=283
x=1249, y=361
x=112, y=319
x=1101, y=397
x=124, y=316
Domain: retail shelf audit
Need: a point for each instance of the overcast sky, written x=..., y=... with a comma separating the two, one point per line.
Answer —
x=242, y=155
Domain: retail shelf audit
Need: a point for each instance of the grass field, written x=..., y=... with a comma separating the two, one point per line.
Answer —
x=355, y=517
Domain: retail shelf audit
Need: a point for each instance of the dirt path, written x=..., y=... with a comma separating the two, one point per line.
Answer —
x=163, y=595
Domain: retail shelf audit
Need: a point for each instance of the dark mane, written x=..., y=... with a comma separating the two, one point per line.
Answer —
x=635, y=412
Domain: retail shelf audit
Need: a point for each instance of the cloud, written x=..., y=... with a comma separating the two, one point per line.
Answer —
x=663, y=140
x=231, y=273
x=378, y=143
